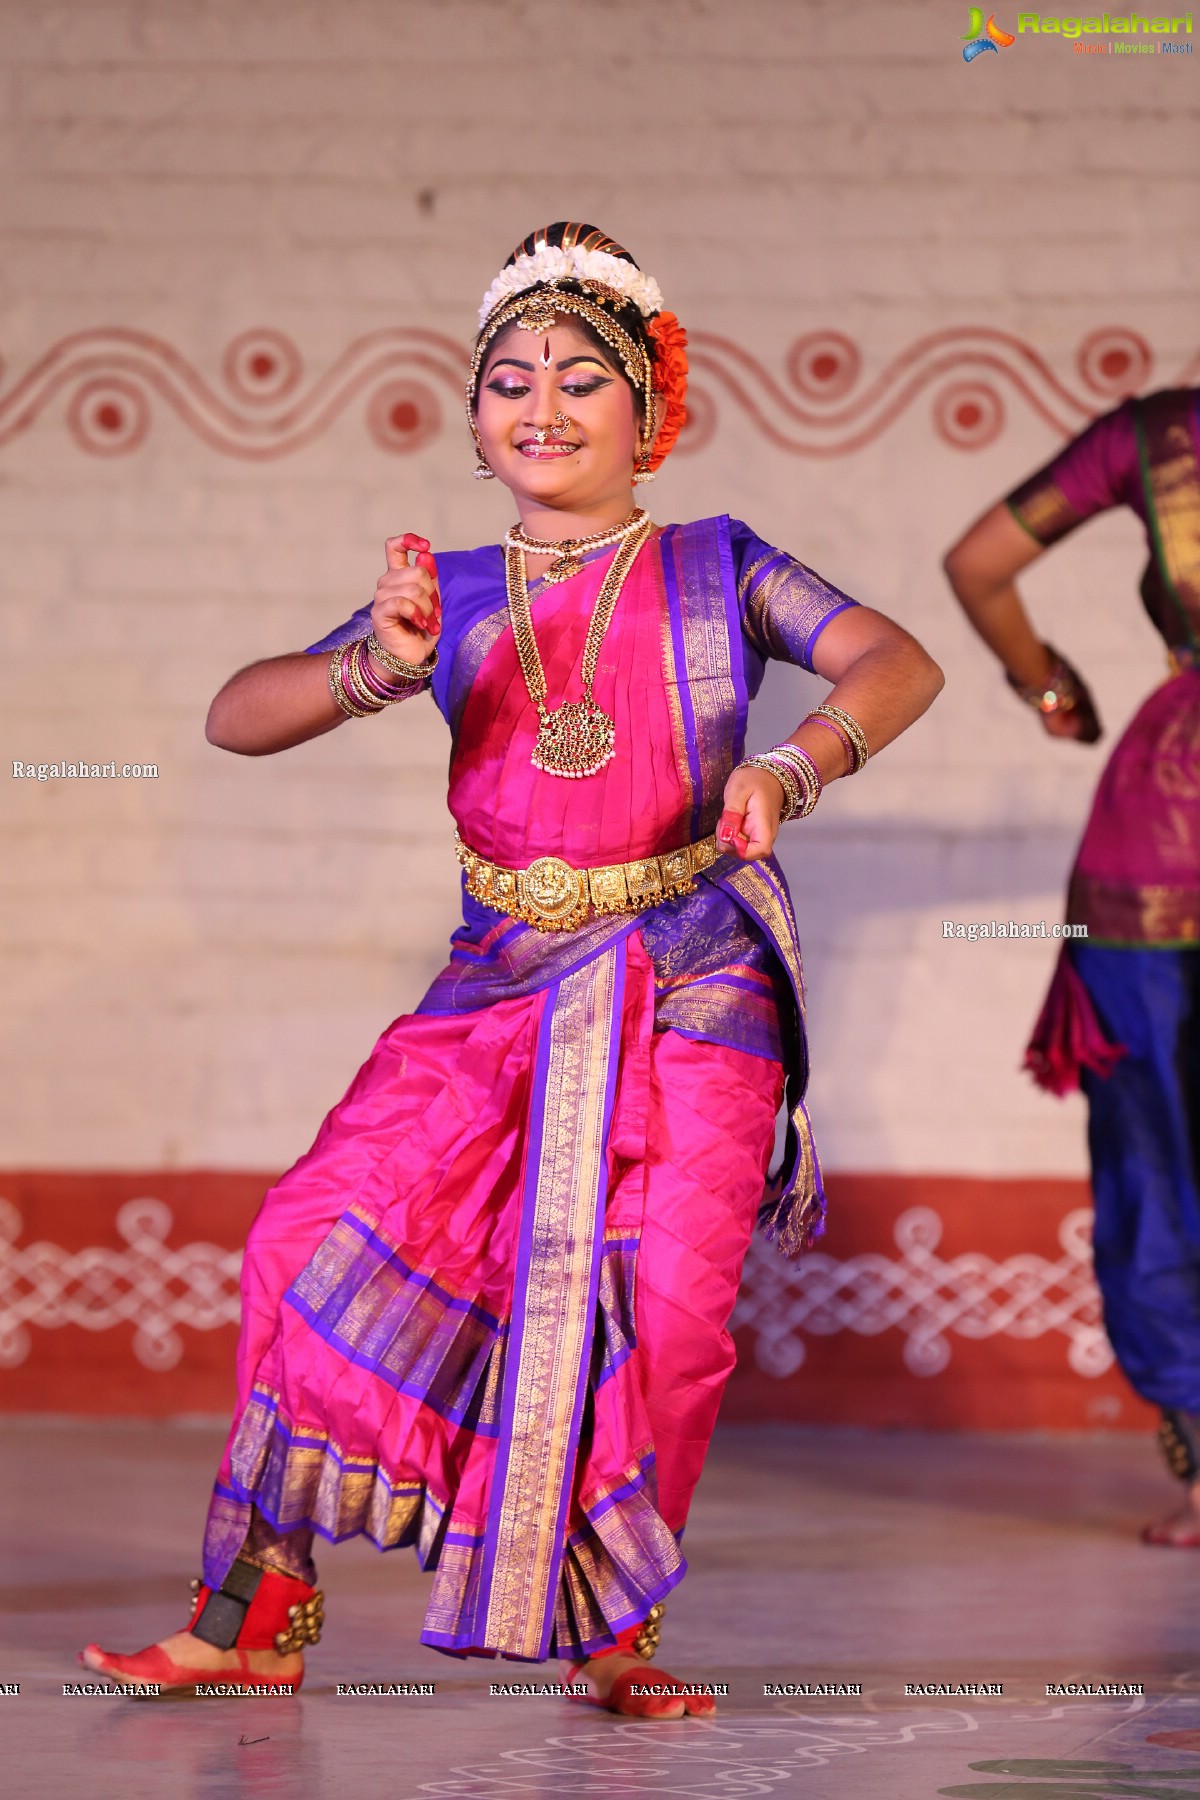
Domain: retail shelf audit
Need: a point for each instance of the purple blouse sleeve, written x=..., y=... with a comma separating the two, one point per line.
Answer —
x=785, y=605
x=1096, y=470
x=356, y=626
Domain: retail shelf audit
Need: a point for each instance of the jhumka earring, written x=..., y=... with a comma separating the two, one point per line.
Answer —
x=482, y=472
x=644, y=472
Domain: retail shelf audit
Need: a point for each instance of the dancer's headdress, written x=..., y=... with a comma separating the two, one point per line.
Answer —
x=571, y=268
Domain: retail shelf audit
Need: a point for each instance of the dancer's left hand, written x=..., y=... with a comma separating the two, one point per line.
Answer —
x=749, y=824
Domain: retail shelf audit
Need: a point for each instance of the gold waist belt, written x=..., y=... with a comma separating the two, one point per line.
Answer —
x=553, y=895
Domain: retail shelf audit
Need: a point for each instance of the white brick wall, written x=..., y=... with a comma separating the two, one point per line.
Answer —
x=193, y=967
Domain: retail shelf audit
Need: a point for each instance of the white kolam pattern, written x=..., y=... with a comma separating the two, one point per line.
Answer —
x=928, y=1298
x=163, y=1291
x=147, y=1284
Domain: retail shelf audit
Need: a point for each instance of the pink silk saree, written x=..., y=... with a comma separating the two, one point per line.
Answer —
x=486, y=1314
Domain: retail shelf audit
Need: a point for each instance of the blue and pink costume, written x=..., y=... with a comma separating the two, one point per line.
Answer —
x=486, y=1314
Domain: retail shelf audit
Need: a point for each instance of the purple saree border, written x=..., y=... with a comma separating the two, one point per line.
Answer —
x=527, y=1252
x=765, y=1052
x=776, y=1212
x=666, y=546
x=616, y=1010
x=834, y=613
x=623, y=1491
x=243, y=1495
x=445, y=996
x=648, y=1594
x=508, y=1402
x=623, y=1252
x=454, y=1415
x=390, y=1254
x=733, y=625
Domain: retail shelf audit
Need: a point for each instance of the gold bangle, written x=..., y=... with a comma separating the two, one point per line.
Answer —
x=396, y=665
x=850, y=727
x=786, y=778
x=352, y=676
x=805, y=769
x=1060, y=692
x=337, y=685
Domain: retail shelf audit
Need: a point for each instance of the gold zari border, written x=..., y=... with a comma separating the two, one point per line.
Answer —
x=1134, y=915
x=556, y=1331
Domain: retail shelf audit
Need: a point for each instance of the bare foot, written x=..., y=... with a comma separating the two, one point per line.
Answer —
x=189, y=1652
x=1180, y=1530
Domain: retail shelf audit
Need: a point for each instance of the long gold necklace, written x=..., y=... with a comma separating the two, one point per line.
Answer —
x=568, y=552
x=577, y=738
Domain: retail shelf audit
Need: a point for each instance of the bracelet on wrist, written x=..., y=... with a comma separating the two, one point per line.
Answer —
x=342, y=693
x=1061, y=691
x=848, y=729
x=840, y=735
x=358, y=690
x=786, y=779
x=796, y=773
x=396, y=665
x=805, y=770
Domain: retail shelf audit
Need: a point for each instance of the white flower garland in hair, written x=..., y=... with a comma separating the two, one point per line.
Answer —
x=548, y=263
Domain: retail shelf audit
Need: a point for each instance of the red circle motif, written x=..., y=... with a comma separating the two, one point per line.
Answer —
x=824, y=365
x=403, y=416
x=969, y=415
x=1115, y=362
x=109, y=416
x=262, y=365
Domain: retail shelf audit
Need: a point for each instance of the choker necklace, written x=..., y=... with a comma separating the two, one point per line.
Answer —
x=567, y=551
x=577, y=738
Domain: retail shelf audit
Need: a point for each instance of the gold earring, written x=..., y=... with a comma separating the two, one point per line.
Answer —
x=482, y=472
x=644, y=472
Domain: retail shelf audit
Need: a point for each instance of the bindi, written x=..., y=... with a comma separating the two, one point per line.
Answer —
x=545, y=357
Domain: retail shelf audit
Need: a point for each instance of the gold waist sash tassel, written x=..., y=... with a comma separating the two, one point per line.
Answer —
x=553, y=895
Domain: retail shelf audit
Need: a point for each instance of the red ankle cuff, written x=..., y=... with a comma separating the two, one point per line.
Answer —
x=283, y=1614
x=624, y=1645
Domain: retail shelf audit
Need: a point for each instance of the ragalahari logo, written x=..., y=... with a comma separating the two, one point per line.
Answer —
x=984, y=37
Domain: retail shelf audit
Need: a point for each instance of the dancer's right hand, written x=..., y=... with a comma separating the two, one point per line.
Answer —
x=406, y=615
x=1080, y=722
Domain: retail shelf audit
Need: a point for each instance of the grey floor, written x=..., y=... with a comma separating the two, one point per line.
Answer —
x=880, y=1558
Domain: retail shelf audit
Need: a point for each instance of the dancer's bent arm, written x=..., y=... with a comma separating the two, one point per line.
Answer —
x=981, y=569
x=882, y=677
x=286, y=700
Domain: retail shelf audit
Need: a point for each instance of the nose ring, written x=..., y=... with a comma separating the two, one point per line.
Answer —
x=557, y=430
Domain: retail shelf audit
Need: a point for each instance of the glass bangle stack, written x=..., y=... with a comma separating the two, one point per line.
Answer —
x=796, y=773
x=359, y=691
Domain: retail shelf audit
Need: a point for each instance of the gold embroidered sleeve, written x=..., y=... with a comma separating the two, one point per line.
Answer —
x=786, y=606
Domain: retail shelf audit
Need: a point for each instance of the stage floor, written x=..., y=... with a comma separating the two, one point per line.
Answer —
x=882, y=1559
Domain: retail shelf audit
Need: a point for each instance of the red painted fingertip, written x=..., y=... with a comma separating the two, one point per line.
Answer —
x=412, y=542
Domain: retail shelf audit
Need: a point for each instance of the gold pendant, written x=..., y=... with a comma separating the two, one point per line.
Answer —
x=562, y=569
x=574, y=741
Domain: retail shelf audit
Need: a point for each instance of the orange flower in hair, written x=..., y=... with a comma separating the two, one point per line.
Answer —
x=670, y=375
